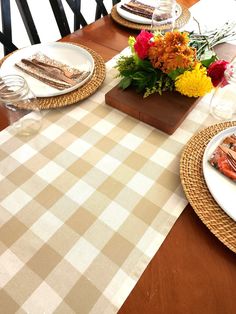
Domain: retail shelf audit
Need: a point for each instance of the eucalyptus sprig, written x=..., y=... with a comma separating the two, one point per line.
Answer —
x=205, y=42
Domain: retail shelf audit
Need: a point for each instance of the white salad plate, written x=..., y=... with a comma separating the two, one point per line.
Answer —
x=139, y=19
x=221, y=188
x=66, y=53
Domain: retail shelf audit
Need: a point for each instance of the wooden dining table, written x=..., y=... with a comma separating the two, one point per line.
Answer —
x=192, y=272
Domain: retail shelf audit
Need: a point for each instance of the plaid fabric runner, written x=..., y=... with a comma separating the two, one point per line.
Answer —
x=85, y=205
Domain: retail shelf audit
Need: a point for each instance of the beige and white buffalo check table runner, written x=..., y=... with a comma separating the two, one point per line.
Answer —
x=85, y=205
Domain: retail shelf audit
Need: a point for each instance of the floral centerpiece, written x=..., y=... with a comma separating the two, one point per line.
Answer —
x=173, y=61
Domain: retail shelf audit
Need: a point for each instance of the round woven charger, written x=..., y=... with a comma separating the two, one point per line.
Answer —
x=81, y=93
x=180, y=21
x=197, y=193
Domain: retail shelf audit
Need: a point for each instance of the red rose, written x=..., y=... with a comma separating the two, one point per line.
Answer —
x=142, y=44
x=216, y=71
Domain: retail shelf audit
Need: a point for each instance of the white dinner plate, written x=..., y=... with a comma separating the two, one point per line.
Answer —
x=139, y=19
x=222, y=188
x=69, y=54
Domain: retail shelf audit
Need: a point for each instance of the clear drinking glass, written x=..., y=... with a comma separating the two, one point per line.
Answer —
x=223, y=101
x=164, y=15
x=22, y=105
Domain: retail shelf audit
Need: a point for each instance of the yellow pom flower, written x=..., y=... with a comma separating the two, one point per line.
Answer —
x=194, y=83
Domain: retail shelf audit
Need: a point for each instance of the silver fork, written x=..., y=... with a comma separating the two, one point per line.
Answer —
x=63, y=71
x=53, y=72
x=231, y=161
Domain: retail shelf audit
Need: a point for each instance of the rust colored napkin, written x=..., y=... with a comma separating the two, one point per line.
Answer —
x=51, y=72
x=138, y=8
x=220, y=159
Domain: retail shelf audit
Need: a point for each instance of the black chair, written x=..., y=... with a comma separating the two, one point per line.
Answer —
x=59, y=14
x=8, y=45
x=75, y=5
x=6, y=34
x=101, y=10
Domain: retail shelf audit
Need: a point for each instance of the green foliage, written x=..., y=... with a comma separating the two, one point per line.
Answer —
x=125, y=65
x=207, y=62
x=131, y=43
x=142, y=76
x=173, y=74
x=164, y=83
x=205, y=42
x=125, y=82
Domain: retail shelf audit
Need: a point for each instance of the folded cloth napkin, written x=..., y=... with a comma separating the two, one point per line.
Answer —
x=224, y=157
x=51, y=72
x=138, y=8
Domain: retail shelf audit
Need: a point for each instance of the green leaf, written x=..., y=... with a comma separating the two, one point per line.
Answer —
x=131, y=43
x=128, y=72
x=125, y=63
x=146, y=65
x=173, y=74
x=207, y=62
x=141, y=75
x=152, y=80
x=125, y=82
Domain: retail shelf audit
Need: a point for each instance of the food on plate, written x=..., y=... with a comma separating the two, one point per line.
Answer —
x=51, y=72
x=138, y=8
x=224, y=157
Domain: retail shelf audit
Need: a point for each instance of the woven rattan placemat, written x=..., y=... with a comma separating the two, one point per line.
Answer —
x=197, y=193
x=81, y=93
x=180, y=21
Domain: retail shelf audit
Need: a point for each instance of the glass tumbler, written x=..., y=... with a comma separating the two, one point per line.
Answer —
x=223, y=101
x=22, y=106
x=164, y=16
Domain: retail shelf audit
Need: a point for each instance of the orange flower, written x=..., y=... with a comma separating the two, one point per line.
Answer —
x=171, y=52
x=176, y=39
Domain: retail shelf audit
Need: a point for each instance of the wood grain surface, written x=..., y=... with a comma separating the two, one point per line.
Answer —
x=165, y=112
x=193, y=272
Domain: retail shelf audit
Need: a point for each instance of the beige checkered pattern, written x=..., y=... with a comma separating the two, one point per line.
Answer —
x=85, y=205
